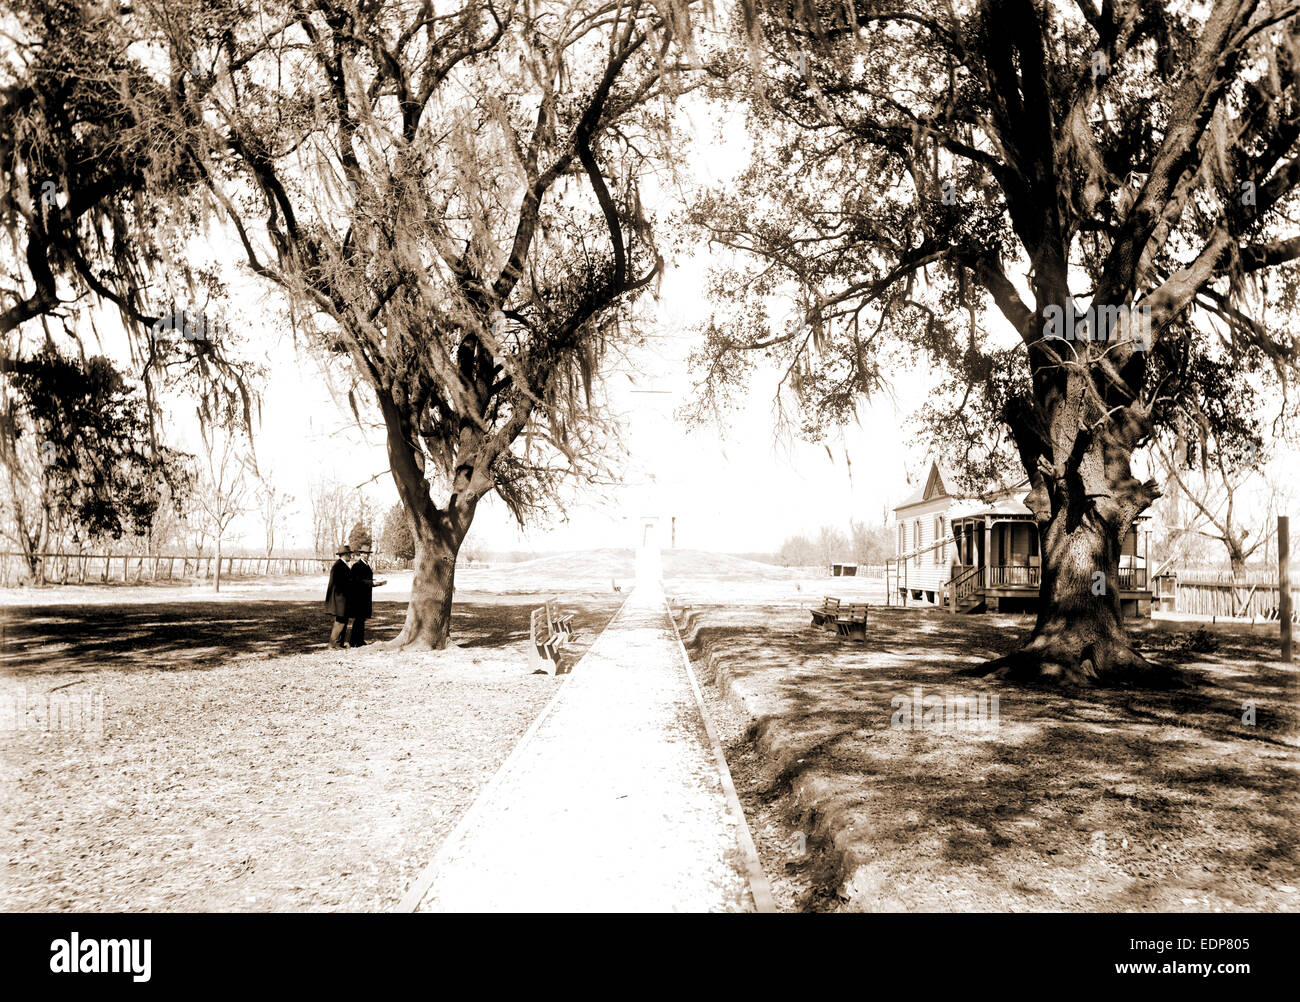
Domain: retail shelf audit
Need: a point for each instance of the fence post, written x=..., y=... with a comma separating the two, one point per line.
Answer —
x=1284, y=583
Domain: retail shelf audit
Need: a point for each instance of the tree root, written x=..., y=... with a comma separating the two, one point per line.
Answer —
x=403, y=644
x=1114, y=664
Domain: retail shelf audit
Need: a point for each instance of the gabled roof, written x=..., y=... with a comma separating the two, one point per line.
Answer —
x=998, y=501
x=1009, y=504
x=935, y=486
x=916, y=497
x=1001, y=500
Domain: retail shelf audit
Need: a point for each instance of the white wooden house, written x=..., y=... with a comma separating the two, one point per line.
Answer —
x=977, y=553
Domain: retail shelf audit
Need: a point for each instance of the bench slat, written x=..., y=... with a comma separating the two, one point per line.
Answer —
x=546, y=641
x=852, y=621
x=825, y=615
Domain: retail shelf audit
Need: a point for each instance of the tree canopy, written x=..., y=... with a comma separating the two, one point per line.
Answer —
x=1115, y=181
x=98, y=201
x=74, y=445
x=446, y=197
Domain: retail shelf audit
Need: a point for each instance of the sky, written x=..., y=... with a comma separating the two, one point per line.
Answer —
x=737, y=488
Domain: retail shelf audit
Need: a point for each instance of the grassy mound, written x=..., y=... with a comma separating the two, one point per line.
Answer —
x=621, y=563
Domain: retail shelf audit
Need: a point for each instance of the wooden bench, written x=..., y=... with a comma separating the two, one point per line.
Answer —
x=559, y=622
x=851, y=621
x=825, y=616
x=544, y=642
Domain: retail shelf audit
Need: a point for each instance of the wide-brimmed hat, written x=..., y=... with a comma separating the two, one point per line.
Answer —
x=343, y=551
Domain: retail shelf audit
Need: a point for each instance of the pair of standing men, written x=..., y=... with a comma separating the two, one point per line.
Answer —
x=348, y=595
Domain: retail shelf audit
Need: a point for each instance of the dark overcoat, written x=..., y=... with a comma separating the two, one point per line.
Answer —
x=336, y=595
x=360, y=586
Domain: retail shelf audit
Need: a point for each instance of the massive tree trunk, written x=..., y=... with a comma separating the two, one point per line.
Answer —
x=428, y=614
x=438, y=532
x=1076, y=442
x=1079, y=636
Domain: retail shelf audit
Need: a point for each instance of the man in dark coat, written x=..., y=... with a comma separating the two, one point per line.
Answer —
x=336, y=595
x=360, y=585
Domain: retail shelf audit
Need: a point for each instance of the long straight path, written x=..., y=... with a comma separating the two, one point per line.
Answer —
x=614, y=801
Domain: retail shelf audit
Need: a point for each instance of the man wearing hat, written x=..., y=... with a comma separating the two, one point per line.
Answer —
x=336, y=595
x=360, y=584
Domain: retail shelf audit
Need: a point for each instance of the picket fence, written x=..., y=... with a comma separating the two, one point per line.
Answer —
x=131, y=568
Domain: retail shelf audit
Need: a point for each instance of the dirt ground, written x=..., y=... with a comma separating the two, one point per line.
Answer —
x=211, y=754
x=1120, y=800
x=205, y=751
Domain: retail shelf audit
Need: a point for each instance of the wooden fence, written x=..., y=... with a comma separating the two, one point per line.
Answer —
x=856, y=570
x=1216, y=594
x=101, y=568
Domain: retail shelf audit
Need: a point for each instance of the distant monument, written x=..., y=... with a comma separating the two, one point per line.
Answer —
x=649, y=567
x=646, y=509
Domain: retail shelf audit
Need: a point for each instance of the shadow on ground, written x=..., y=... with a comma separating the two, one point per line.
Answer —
x=1098, y=799
x=165, y=636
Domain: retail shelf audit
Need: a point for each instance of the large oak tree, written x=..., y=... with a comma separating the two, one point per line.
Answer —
x=918, y=163
x=448, y=197
x=87, y=212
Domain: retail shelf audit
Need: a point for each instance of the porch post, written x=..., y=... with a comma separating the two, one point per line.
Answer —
x=1284, y=584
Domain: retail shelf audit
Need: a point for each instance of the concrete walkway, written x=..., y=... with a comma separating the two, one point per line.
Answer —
x=614, y=801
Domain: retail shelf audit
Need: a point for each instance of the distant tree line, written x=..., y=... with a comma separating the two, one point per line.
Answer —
x=84, y=470
x=863, y=544
x=78, y=461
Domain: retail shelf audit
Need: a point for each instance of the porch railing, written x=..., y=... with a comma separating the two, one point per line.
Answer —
x=1020, y=576
x=1014, y=576
x=969, y=578
x=966, y=580
x=1133, y=578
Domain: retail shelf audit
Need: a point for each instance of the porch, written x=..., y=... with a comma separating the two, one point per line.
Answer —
x=1026, y=577
x=998, y=565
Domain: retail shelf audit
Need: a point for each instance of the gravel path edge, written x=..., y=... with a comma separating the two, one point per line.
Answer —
x=759, y=888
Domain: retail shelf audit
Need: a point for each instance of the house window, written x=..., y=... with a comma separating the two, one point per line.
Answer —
x=940, y=550
x=902, y=538
x=916, y=543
